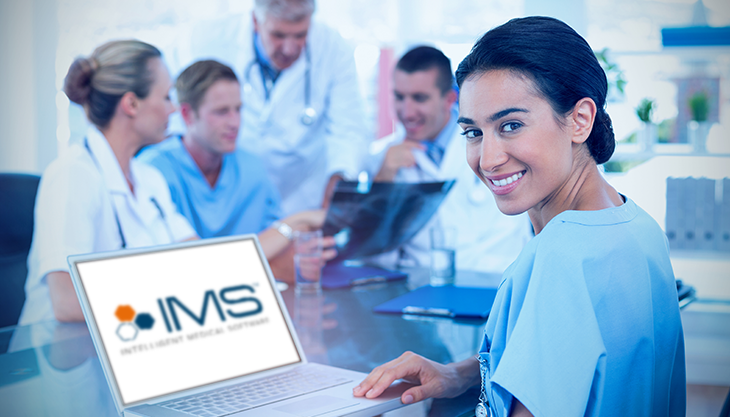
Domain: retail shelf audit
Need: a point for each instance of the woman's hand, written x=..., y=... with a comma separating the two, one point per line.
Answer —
x=65, y=303
x=434, y=379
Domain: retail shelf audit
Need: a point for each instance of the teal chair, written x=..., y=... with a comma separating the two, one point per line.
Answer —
x=17, y=200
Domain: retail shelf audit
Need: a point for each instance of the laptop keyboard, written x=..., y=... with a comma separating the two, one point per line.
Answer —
x=239, y=397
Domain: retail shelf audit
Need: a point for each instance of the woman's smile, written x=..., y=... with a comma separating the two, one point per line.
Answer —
x=503, y=184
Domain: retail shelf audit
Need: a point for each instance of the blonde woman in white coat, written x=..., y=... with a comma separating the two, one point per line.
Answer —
x=96, y=197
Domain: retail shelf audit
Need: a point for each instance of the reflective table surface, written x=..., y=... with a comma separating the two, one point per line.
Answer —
x=51, y=369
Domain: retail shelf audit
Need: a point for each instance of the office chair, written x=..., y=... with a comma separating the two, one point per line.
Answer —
x=685, y=293
x=725, y=412
x=17, y=200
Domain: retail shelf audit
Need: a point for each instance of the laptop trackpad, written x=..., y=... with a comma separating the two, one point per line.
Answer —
x=316, y=405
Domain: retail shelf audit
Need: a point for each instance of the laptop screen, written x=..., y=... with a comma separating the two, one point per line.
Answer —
x=180, y=318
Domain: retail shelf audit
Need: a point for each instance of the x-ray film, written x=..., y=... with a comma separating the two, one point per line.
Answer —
x=368, y=221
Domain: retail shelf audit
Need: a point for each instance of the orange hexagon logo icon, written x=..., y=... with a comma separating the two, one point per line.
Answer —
x=125, y=313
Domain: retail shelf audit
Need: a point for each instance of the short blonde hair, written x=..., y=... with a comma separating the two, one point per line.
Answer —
x=113, y=69
x=196, y=79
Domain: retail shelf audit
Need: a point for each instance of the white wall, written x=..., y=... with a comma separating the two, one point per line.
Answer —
x=28, y=30
x=16, y=87
x=40, y=38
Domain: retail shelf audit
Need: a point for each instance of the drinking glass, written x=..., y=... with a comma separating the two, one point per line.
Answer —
x=443, y=256
x=308, y=261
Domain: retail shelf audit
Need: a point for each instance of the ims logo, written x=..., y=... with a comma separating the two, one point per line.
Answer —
x=131, y=322
x=171, y=309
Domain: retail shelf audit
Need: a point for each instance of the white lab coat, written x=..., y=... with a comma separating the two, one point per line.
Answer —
x=78, y=196
x=300, y=159
x=487, y=240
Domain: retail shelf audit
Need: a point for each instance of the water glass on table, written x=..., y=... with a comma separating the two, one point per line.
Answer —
x=308, y=261
x=443, y=256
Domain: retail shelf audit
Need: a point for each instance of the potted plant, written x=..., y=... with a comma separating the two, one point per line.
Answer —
x=647, y=135
x=614, y=76
x=698, y=127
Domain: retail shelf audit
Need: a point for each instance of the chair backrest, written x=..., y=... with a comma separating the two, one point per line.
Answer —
x=17, y=200
x=725, y=412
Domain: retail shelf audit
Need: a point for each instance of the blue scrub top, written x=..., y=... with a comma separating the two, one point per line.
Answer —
x=586, y=321
x=244, y=200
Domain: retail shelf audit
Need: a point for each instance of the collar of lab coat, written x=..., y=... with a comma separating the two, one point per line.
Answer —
x=285, y=83
x=108, y=164
x=445, y=139
x=295, y=72
x=262, y=57
x=138, y=203
x=290, y=76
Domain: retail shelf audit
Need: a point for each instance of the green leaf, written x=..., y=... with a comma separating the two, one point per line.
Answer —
x=699, y=106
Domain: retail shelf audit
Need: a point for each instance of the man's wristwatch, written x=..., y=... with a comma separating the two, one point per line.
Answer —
x=284, y=229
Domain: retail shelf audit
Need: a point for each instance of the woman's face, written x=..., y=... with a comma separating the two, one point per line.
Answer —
x=515, y=144
x=155, y=109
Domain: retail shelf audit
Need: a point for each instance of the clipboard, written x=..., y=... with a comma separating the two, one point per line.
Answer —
x=339, y=275
x=448, y=301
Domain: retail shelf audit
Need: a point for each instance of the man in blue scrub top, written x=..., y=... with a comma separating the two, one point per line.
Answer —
x=221, y=190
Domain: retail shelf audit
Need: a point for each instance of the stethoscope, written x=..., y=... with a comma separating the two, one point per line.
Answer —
x=114, y=207
x=482, y=408
x=309, y=114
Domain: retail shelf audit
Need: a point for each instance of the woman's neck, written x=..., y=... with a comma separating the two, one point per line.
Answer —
x=585, y=190
x=124, y=144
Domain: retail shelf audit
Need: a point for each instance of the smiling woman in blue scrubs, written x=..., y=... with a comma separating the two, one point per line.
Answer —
x=586, y=320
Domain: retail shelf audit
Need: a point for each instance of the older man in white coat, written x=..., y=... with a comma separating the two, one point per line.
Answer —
x=429, y=147
x=302, y=108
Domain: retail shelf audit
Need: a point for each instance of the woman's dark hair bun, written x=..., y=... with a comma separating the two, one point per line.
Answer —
x=601, y=142
x=77, y=84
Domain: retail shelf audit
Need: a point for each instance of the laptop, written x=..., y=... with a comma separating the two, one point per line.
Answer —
x=199, y=329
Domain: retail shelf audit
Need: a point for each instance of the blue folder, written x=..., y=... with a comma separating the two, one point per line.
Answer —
x=338, y=275
x=447, y=301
